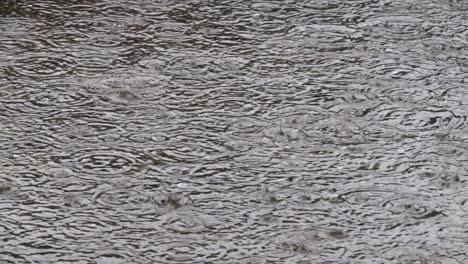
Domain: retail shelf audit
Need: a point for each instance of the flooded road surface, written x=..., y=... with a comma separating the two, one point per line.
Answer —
x=234, y=131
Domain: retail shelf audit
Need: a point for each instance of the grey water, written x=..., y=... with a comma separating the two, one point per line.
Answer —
x=233, y=131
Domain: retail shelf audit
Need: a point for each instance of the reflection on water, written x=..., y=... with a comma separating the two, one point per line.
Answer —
x=233, y=132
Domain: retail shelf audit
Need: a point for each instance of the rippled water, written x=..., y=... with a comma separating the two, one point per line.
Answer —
x=234, y=131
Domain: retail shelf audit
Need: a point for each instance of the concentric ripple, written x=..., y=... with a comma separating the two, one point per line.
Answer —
x=457, y=233
x=411, y=71
x=132, y=201
x=108, y=162
x=421, y=208
x=413, y=256
x=399, y=28
x=183, y=222
x=417, y=120
x=310, y=242
x=146, y=137
x=43, y=66
x=38, y=98
x=394, y=204
x=93, y=130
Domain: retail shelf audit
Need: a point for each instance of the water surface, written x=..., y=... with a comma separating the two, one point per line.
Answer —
x=233, y=131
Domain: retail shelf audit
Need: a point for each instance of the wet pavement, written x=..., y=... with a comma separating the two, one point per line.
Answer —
x=234, y=131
